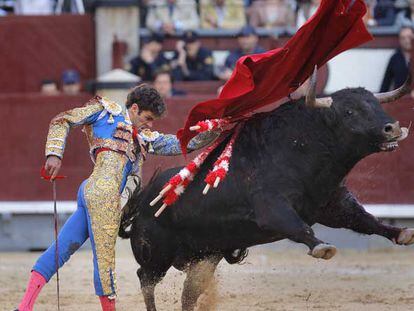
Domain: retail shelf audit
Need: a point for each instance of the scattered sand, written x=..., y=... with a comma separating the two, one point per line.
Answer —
x=268, y=280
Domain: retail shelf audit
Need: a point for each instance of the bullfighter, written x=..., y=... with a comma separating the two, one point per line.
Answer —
x=118, y=142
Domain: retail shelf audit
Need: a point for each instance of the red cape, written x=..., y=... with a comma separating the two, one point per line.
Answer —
x=262, y=79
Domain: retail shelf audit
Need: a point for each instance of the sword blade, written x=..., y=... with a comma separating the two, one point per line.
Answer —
x=55, y=216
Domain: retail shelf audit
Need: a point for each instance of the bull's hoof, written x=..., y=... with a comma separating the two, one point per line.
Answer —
x=324, y=251
x=406, y=237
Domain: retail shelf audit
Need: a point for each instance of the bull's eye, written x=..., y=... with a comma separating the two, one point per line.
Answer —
x=349, y=112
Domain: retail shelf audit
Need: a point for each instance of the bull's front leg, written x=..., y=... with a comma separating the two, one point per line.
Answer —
x=345, y=211
x=275, y=217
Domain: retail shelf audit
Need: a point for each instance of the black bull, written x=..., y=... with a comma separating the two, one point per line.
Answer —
x=286, y=174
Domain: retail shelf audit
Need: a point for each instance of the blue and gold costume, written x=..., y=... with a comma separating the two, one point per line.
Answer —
x=116, y=155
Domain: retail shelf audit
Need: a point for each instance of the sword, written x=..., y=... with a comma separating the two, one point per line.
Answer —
x=45, y=176
x=55, y=216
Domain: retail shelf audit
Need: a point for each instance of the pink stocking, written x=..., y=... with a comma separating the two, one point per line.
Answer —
x=107, y=303
x=36, y=282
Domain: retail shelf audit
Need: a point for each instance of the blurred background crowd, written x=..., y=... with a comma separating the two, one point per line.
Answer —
x=186, y=20
x=171, y=16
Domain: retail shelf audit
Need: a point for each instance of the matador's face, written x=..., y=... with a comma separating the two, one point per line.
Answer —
x=141, y=118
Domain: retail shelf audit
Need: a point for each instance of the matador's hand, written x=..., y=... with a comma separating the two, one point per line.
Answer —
x=52, y=166
x=142, y=147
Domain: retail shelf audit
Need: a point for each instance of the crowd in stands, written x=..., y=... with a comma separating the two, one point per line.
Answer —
x=172, y=16
x=184, y=20
x=70, y=84
x=191, y=61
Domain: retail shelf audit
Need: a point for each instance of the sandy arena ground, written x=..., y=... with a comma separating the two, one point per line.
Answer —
x=268, y=280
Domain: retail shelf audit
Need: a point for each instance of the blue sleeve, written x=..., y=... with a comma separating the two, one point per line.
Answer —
x=165, y=145
x=92, y=118
x=61, y=124
x=169, y=145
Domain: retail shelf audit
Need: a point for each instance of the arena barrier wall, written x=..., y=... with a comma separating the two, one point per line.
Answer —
x=384, y=178
x=35, y=48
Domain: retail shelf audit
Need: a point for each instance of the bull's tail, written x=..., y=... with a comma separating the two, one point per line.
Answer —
x=125, y=223
x=129, y=212
x=123, y=233
x=132, y=207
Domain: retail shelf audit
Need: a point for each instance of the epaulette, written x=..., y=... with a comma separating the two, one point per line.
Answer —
x=94, y=100
x=148, y=135
x=111, y=106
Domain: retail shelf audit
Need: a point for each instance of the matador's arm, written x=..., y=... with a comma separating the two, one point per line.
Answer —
x=60, y=125
x=169, y=145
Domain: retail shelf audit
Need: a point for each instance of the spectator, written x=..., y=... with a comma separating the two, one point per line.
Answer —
x=271, y=13
x=71, y=83
x=49, y=87
x=171, y=16
x=397, y=68
x=405, y=18
x=247, y=39
x=164, y=84
x=150, y=59
x=306, y=10
x=192, y=61
x=384, y=13
x=224, y=14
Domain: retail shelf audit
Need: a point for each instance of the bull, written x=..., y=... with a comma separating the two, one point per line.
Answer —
x=286, y=174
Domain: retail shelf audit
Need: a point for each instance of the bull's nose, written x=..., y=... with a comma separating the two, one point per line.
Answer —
x=392, y=130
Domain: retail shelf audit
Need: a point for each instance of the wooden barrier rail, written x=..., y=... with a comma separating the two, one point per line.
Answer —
x=381, y=178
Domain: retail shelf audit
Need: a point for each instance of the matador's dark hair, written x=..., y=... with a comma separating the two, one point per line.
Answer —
x=147, y=98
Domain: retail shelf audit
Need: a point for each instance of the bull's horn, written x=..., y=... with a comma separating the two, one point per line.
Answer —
x=311, y=100
x=311, y=94
x=395, y=94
